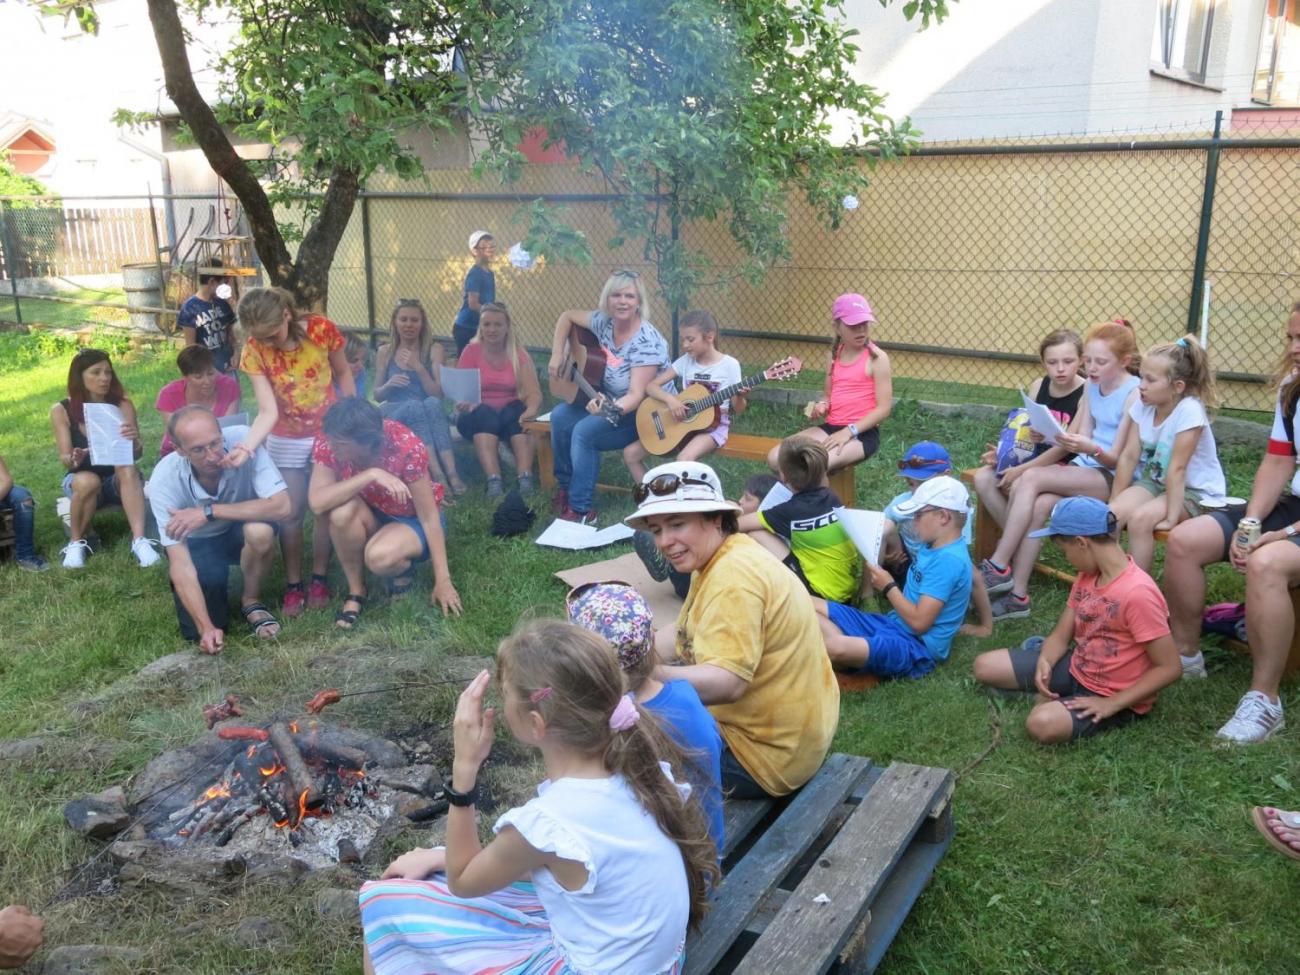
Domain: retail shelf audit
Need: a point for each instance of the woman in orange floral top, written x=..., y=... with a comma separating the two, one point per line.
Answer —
x=293, y=361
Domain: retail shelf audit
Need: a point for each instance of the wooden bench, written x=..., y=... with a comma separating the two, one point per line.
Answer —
x=988, y=532
x=742, y=446
x=8, y=542
x=822, y=882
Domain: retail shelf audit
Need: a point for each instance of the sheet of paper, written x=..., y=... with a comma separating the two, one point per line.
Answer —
x=571, y=535
x=460, y=385
x=104, y=432
x=779, y=494
x=1041, y=419
x=233, y=420
x=865, y=529
x=545, y=417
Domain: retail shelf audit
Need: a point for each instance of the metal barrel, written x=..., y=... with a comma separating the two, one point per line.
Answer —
x=143, y=286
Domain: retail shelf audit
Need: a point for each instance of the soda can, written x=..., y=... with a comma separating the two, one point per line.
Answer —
x=1248, y=530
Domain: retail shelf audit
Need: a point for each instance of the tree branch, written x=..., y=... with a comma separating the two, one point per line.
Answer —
x=212, y=139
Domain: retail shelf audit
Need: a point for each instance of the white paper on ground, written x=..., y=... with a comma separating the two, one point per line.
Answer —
x=104, y=432
x=233, y=420
x=460, y=385
x=865, y=529
x=1041, y=419
x=779, y=494
x=545, y=417
x=571, y=535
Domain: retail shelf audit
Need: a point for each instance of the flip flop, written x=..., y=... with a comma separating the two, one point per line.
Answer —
x=1261, y=815
x=259, y=626
x=345, y=619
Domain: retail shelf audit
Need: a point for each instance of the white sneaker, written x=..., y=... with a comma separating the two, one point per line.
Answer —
x=143, y=550
x=1193, y=666
x=1256, y=720
x=74, y=554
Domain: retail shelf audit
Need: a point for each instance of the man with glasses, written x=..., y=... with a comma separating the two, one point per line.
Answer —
x=212, y=516
x=925, y=614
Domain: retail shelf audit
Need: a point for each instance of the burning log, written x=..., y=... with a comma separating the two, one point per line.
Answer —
x=343, y=755
x=228, y=833
x=304, y=783
x=276, y=809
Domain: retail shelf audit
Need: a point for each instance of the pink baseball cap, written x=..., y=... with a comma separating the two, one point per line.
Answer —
x=852, y=309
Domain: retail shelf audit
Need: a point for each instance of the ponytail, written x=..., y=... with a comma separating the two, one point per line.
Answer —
x=1189, y=364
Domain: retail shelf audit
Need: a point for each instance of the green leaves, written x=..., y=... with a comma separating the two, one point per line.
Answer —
x=690, y=110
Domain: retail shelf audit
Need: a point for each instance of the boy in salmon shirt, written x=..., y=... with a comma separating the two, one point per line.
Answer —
x=1119, y=624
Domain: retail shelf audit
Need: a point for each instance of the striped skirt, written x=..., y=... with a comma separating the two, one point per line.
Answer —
x=417, y=927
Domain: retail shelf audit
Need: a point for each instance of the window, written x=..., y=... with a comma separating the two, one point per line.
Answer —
x=1181, y=43
x=1277, y=68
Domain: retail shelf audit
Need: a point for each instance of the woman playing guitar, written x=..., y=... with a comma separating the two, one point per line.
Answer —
x=634, y=353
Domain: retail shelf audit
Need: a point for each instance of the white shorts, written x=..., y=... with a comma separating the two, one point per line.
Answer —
x=290, y=453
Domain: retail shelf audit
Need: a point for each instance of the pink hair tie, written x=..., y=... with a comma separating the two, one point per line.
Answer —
x=625, y=714
x=540, y=695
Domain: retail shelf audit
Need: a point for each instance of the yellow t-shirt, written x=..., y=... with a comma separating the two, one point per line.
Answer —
x=749, y=615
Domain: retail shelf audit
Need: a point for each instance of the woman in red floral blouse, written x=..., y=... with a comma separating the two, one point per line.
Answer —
x=371, y=477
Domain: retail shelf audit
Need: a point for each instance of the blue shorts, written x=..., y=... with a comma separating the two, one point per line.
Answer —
x=411, y=522
x=108, y=493
x=894, y=650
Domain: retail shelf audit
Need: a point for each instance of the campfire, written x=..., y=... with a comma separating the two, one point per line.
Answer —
x=287, y=774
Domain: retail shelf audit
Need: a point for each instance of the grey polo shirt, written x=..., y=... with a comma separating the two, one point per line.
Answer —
x=173, y=486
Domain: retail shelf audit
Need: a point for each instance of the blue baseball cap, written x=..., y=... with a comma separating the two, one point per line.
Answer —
x=924, y=460
x=1078, y=516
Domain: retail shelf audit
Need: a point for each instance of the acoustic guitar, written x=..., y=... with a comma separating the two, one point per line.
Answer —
x=661, y=432
x=582, y=373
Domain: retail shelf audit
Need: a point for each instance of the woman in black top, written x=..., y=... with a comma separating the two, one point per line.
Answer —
x=91, y=379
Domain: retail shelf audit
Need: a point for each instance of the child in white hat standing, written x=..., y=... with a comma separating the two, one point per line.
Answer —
x=480, y=288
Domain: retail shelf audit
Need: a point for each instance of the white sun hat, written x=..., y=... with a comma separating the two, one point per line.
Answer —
x=682, y=486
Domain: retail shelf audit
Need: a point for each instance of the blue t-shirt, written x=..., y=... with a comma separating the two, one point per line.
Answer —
x=689, y=723
x=904, y=523
x=484, y=282
x=212, y=322
x=944, y=574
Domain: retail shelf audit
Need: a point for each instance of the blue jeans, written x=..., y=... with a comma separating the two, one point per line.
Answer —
x=577, y=440
x=19, y=501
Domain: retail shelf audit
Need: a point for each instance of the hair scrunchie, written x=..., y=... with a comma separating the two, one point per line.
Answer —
x=625, y=714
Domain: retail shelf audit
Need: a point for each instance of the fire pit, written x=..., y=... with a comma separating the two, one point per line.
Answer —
x=300, y=795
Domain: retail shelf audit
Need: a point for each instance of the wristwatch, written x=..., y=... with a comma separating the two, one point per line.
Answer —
x=1291, y=531
x=853, y=429
x=207, y=511
x=461, y=799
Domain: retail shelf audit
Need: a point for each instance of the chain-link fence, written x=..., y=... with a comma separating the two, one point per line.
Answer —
x=968, y=253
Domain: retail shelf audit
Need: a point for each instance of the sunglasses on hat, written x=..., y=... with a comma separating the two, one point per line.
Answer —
x=666, y=484
x=920, y=463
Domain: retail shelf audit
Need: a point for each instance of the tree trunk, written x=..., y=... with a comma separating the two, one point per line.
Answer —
x=308, y=277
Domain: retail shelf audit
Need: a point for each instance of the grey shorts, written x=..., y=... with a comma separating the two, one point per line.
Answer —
x=1024, y=663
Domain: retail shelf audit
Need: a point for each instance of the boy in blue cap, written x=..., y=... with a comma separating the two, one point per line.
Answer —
x=917, y=632
x=920, y=462
x=1118, y=622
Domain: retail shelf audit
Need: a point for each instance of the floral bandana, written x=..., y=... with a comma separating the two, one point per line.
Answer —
x=617, y=612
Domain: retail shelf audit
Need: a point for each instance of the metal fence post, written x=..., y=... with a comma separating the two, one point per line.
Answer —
x=1203, y=232
x=676, y=309
x=369, y=269
x=11, y=259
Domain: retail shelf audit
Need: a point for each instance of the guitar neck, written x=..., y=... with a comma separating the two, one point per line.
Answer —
x=722, y=395
x=590, y=391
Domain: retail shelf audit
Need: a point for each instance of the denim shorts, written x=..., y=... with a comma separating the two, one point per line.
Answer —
x=893, y=649
x=1024, y=664
x=108, y=493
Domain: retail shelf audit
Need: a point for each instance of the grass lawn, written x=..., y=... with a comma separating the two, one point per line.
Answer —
x=60, y=314
x=1130, y=852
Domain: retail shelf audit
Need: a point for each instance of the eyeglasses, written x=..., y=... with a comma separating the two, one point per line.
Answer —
x=217, y=446
x=914, y=462
x=666, y=484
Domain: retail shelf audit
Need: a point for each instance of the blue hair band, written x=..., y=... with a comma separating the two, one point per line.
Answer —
x=1184, y=343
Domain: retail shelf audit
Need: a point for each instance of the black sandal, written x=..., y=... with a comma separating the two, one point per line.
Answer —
x=345, y=619
x=258, y=626
x=401, y=585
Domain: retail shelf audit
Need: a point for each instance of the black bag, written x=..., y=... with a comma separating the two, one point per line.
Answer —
x=512, y=516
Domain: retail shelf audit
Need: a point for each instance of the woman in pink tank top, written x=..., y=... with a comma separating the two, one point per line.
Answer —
x=859, y=389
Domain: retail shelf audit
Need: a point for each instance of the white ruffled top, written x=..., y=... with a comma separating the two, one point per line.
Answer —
x=631, y=914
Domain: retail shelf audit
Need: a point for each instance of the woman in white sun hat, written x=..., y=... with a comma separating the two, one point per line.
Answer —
x=747, y=638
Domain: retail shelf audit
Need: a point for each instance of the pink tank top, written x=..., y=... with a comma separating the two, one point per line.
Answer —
x=497, y=385
x=853, y=392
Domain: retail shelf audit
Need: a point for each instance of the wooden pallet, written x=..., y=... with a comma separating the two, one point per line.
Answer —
x=864, y=837
x=739, y=445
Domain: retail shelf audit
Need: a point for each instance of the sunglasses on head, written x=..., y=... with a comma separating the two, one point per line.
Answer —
x=921, y=463
x=666, y=484
x=409, y=301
